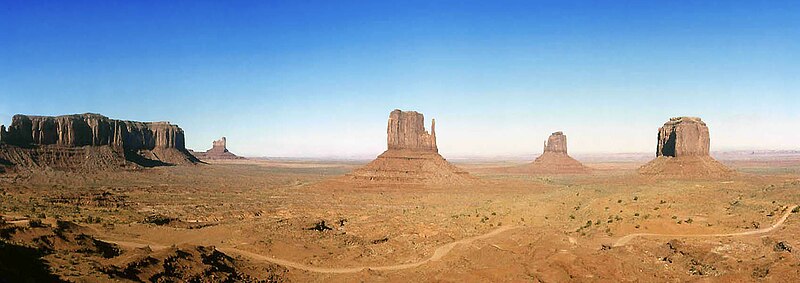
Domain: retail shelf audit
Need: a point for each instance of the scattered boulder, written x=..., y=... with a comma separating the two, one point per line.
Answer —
x=782, y=247
x=412, y=156
x=554, y=159
x=91, y=141
x=683, y=150
x=219, y=150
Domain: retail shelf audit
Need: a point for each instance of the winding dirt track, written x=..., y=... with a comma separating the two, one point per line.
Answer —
x=443, y=250
x=440, y=252
x=624, y=240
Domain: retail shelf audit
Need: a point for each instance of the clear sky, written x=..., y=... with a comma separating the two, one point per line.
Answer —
x=319, y=78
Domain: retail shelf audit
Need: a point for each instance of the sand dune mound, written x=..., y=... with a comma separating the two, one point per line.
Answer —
x=683, y=151
x=412, y=156
x=90, y=142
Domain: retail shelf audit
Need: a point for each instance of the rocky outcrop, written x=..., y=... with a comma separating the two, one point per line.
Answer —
x=41, y=140
x=682, y=150
x=92, y=130
x=218, y=151
x=556, y=143
x=411, y=158
x=683, y=136
x=554, y=159
x=406, y=131
x=219, y=145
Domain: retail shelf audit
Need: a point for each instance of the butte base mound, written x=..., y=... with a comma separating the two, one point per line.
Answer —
x=683, y=151
x=554, y=159
x=412, y=156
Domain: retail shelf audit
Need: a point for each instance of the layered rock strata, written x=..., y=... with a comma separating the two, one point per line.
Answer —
x=91, y=140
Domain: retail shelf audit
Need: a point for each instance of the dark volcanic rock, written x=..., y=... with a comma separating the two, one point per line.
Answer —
x=219, y=150
x=63, y=141
x=411, y=158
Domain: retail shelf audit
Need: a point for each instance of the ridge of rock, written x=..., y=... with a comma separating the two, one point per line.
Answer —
x=91, y=141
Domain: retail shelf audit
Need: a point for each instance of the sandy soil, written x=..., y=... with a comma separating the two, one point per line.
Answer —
x=295, y=221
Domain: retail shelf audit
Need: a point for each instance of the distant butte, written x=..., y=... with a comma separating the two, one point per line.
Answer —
x=218, y=151
x=412, y=156
x=683, y=151
x=90, y=142
x=554, y=159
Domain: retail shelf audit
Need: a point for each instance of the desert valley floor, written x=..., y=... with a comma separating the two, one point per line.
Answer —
x=300, y=221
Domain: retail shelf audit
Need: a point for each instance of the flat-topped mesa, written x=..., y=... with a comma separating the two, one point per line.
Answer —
x=92, y=130
x=556, y=143
x=406, y=131
x=91, y=141
x=683, y=136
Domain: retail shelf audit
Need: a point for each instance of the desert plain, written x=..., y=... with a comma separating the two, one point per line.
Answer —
x=297, y=220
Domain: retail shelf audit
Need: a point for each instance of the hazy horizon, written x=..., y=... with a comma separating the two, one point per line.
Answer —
x=319, y=80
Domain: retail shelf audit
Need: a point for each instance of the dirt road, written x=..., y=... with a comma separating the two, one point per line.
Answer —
x=438, y=254
x=624, y=240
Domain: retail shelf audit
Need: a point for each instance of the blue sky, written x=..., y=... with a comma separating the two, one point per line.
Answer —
x=319, y=78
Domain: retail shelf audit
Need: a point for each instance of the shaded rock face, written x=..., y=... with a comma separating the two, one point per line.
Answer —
x=683, y=136
x=556, y=143
x=91, y=130
x=91, y=142
x=406, y=131
x=219, y=150
x=683, y=151
x=411, y=158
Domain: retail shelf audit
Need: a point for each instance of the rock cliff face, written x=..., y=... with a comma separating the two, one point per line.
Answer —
x=411, y=158
x=92, y=130
x=42, y=140
x=556, y=143
x=219, y=145
x=683, y=151
x=683, y=136
x=406, y=131
x=219, y=150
